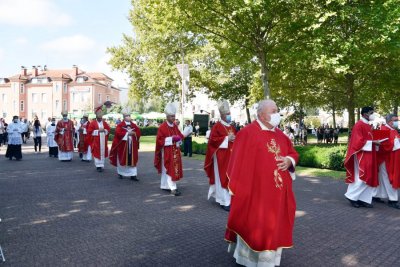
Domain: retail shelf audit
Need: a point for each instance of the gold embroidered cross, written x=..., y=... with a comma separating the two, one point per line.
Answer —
x=274, y=148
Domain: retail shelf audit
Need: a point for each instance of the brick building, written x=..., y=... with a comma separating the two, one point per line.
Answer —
x=45, y=92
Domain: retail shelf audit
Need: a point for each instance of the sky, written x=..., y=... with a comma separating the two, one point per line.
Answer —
x=62, y=33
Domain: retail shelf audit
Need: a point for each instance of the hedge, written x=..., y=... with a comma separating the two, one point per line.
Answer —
x=315, y=156
x=145, y=131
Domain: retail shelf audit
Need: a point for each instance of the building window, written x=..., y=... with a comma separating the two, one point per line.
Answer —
x=65, y=88
x=57, y=105
x=15, y=106
x=99, y=98
x=4, y=98
x=107, y=98
x=21, y=88
x=64, y=105
x=21, y=107
x=44, y=98
x=56, y=87
x=80, y=80
x=35, y=97
x=44, y=114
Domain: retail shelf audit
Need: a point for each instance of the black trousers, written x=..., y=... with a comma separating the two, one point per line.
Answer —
x=53, y=151
x=14, y=151
x=38, y=142
x=187, y=146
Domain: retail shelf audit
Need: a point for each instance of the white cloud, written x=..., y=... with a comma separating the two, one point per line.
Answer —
x=21, y=41
x=30, y=13
x=69, y=44
x=120, y=79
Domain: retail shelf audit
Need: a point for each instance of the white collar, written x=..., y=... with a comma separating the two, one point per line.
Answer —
x=365, y=120
x=265, y=128
x=225, y=123
x=127, y=122
x=170, y=124
x=387, y=125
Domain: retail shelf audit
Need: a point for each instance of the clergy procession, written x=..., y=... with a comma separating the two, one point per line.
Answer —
x=250, y=172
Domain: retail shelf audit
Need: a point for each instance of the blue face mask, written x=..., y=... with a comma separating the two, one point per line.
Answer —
x=396, y=124
x=228, y=118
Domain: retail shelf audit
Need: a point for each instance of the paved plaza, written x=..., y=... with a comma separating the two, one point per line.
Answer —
x=67, y=214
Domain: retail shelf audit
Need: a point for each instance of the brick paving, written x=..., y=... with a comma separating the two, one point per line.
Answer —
x=67, y=214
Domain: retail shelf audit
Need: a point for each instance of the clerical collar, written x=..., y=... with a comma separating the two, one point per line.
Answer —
x=265, y=128
x=225, y=123
x=127, y=122
x=387, y=125
x=170, y=124
x=365, y=120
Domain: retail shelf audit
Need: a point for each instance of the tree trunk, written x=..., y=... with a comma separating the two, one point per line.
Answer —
x=350, y=99
x=264, y=74
x=396, y=107
x=358, y=114
x=334, y=116
x=246, y=103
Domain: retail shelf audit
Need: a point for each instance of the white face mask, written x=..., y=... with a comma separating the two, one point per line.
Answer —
x=371, y=117
x=275, y=119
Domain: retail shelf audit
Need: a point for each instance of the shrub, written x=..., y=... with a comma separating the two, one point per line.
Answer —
x=322, y=156
x=145, y=131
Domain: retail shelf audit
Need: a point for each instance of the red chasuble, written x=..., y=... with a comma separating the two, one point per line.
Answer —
x=217, y=136
x=95, y=140
x=83, y=139
x=172, y=154
x=65, y=141
x=263, y=205
x=390, y=158
x=120, y=148
x=367, y=161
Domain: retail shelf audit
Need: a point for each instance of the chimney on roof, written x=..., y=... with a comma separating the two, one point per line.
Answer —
x=34, y=71
x=75, y=67
x=23, y=71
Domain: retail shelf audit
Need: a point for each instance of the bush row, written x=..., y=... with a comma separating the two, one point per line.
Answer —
x=145, y=131
x=315, y=156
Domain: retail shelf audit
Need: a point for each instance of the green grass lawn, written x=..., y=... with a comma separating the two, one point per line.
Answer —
x=147, y=143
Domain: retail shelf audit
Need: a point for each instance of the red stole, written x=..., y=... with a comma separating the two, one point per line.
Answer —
x=367, y=160
x=120, y=150
x=390, y=158
x=65, y=141
x=263, y=204
x=217, y=136
x=94, y=141
x=83, y=139
x=172, y=154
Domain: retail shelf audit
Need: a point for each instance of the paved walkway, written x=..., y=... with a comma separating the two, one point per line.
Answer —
x=67, y=214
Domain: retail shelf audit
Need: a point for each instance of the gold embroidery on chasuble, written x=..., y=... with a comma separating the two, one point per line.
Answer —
x=275, y=149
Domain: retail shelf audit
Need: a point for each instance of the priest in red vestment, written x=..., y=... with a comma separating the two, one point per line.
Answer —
x=263, y=205
x=124, y=150
x=361, y=162
x=83, y=143
x=64, y=136
x=219, y=148
x=389, y=164
x=98, y=131
x=167, y=158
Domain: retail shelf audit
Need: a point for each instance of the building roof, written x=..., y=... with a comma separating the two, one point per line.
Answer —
x=69, y=74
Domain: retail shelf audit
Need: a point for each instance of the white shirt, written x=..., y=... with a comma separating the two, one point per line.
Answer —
x=188, y=130
x=14, y=131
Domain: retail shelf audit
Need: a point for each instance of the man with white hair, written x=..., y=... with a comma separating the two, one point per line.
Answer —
x=219, y=148
x=388, y=164
x=261, y=172
x=167, y=158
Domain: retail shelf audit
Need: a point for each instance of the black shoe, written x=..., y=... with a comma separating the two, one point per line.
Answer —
x=176, y=192
x=364, y=204
x=226, y=208
x=120, y=176
x=10, y=158
x=184, y=155
x=394, y=204
x=99, y=169
x=169, y=190
x=378, y=200
x=134, y=178
x=80, y=155
x=353, y=203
